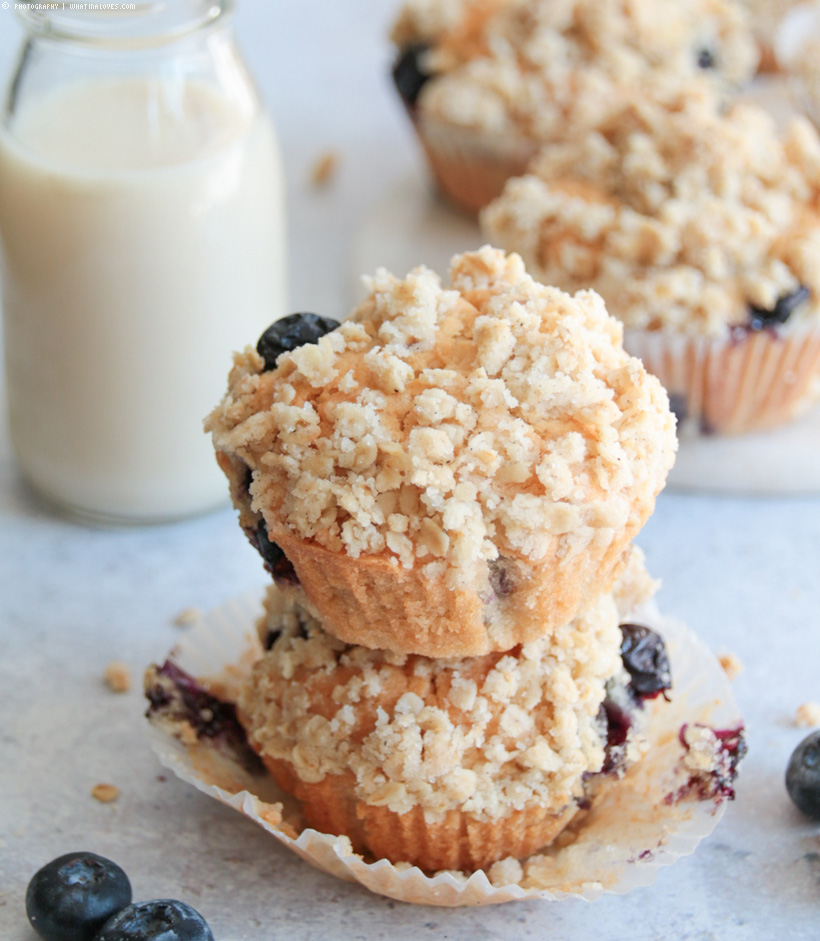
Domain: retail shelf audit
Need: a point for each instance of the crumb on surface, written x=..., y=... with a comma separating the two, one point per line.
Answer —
x=324, y=168
x=187, y=617
x=732, y=665
x=807, y=715
x=118, y=677
x=105, y=793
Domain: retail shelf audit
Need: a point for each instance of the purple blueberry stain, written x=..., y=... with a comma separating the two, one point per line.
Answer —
x=717, y=782
x=502, y=578
x=175, y=695
x=618, y=722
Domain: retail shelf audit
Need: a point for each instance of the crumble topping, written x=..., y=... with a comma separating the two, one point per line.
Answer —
x=486, y=734
x=105, y=793
x=681, y=218
x=731, y=664
x=118, y=677
x=443, y=427
x=807, y=715
x=536, y=67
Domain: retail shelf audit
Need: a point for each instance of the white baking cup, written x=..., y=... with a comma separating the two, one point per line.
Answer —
x=633, y=829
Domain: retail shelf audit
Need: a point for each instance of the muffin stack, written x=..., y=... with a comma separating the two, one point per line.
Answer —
x=445, y=489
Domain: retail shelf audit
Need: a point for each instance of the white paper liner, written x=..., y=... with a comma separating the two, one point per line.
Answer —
x=733, y=386
x=630, y=833
x=471, y=166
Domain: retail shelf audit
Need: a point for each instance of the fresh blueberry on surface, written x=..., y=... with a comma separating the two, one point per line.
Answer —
x=160, y=920
x=72, y=897
x=290, y=333
x=782, y=310
x=645, y=659
x=803, y=775
x=408, y=74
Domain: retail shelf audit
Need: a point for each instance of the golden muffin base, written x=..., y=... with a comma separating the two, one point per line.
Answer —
x=373, y=603
x=456, y=840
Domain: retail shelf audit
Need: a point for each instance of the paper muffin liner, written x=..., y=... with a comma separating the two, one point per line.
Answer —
x=635, y=826
x=469, y=166
x=748, y=381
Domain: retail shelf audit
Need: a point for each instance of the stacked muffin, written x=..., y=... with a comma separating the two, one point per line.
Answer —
x=445, y=488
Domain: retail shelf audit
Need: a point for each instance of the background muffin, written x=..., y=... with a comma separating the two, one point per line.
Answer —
x=445, y=764
x=453, y=470
x=487, y=82
x=701, y=232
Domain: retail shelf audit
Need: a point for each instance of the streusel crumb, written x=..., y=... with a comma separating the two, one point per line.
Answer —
x=118, y=677
x=807, y=715
x=105, y=793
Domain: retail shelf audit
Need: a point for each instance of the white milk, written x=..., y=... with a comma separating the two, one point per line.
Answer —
x=139, y=252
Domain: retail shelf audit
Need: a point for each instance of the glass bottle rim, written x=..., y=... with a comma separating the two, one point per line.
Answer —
x=132, y=25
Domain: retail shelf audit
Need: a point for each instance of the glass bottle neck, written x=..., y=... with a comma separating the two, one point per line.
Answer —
x=140, y=24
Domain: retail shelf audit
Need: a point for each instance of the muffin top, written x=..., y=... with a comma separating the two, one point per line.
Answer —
x=441, y=427
x=486, y=734
x=536, y=67
x=682, y=218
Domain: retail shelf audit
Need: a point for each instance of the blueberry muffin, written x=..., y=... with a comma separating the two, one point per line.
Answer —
x=453, y=470
x=452, y=763
x=701, y=232
x=488, y=82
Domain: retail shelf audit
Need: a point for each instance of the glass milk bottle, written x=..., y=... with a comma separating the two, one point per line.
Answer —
x=142, y=241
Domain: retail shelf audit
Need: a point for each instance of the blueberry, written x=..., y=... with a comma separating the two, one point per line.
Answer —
x=645, y=659
x=290, y=333
x=160, y=920
x=277, y=563
x=408, y=74
x=502, y=578
x=71, y=897
x=618, y=723
x=786, y=305
x=706, y=58
x=803, y=775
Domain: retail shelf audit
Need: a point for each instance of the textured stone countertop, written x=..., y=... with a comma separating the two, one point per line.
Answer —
x=742, y=572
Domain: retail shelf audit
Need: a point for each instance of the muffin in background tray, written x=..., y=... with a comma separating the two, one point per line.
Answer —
x=487, y=82
x=701, y=231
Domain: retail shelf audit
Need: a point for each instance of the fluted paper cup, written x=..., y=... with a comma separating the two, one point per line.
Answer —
x=747, y=381
x=635, y=826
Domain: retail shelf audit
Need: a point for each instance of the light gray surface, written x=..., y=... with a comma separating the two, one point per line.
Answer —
x=743, y=573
